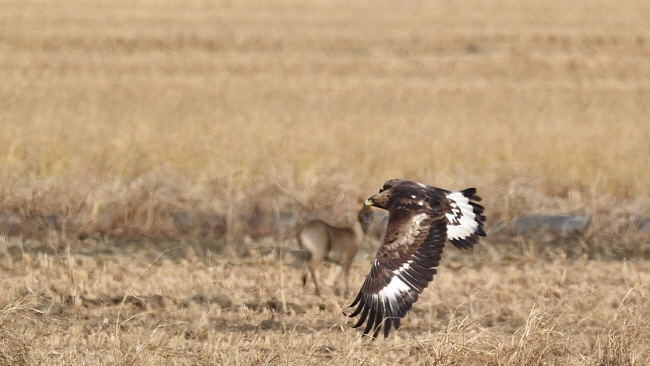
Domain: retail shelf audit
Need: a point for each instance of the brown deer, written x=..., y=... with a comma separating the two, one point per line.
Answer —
x=323, y=242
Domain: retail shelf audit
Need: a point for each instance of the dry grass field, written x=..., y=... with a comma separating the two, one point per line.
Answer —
x=101, y=309
x=118, y=118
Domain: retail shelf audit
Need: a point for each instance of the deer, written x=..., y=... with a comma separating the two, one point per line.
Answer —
x=324, y=242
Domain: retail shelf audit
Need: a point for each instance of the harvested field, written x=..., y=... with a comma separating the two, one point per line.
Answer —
x=156, y=158
x=114, y=309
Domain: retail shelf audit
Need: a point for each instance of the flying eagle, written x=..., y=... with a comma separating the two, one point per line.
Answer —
x=421, y=219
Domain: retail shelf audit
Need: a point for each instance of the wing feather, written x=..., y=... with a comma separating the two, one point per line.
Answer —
x=362, y=318
x=465, y=216
x=401, y=270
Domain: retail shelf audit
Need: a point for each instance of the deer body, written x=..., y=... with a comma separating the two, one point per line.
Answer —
x=324, y=242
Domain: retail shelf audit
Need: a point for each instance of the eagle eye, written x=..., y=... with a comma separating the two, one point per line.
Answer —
x=381, y=190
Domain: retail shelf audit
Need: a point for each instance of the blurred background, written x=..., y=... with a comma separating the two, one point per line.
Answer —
x=230, y=119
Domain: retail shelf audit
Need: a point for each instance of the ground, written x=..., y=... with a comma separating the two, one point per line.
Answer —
x=147, y=309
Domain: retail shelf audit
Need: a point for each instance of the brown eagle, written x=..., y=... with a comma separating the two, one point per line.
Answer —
x=421, y=219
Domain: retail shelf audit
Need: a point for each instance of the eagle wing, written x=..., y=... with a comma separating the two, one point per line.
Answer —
x=412, y=248
x=465, y=217
x=403, y=267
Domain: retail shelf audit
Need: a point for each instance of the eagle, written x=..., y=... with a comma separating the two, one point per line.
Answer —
x=421, y=219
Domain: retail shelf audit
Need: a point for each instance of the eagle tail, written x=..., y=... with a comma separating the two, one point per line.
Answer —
x=466, y=219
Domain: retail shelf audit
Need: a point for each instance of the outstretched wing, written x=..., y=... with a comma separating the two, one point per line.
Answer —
x=402, y=269
x=465, y=217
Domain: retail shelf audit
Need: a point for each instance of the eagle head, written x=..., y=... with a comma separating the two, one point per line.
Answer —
x=394, y=194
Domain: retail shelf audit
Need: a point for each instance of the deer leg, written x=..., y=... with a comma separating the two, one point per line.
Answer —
x=337, y=274
x=314, y=277
x=346, y=275
x=344, y=269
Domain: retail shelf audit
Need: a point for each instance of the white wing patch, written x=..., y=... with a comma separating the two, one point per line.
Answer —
x=461, y=220
x=394, y=288
x=397, y=287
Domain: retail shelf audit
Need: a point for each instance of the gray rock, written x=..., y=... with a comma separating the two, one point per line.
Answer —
x=184, y=221
x=643, y=225
x=562, y=225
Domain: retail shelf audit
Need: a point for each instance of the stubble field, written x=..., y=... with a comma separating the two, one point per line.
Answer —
x=122, y=122
x=231, y=311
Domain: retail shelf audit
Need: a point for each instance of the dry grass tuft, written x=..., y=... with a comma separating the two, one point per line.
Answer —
x=14, y=347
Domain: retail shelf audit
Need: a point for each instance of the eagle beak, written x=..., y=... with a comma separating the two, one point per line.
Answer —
x=368, y=202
